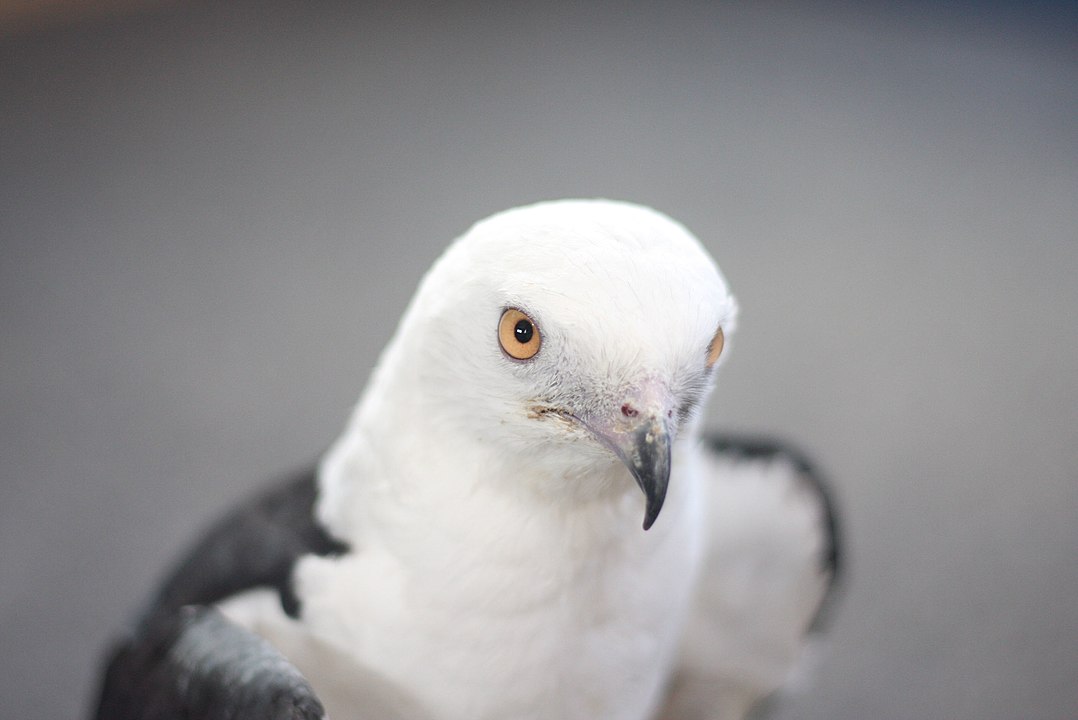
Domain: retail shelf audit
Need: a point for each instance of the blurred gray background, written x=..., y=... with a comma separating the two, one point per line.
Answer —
x=213, y=214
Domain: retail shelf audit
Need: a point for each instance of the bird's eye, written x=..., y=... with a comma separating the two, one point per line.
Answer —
x=714, y=348
x=518, y=335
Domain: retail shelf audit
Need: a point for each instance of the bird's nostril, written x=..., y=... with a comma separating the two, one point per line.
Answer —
x=629, y=411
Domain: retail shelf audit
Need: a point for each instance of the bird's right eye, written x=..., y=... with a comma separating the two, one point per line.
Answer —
x=518, y=335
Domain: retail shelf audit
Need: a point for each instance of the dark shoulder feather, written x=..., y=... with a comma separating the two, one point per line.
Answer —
x=254, y=546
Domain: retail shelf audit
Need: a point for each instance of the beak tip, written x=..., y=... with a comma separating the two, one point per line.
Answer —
x=651, y=513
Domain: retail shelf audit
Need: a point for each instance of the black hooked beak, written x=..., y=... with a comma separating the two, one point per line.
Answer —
x=648, y=459
x=643, y=444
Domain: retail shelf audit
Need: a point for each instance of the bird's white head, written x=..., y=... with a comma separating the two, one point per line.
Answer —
x=573, y=335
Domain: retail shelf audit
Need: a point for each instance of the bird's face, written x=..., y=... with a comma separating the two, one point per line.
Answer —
x=576, y=334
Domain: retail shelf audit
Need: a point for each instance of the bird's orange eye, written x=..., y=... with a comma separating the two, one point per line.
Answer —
x=518, y=335
x=714, y=348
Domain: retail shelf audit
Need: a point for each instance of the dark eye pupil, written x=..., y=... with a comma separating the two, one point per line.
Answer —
x=523, y=332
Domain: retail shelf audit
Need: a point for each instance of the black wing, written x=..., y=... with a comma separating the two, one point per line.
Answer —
x=185, y=660
x=255, y=546
x=196, y=665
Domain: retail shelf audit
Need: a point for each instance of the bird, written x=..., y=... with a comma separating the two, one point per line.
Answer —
x=523, y=517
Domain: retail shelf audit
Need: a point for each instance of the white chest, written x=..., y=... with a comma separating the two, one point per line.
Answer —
x=525, y=621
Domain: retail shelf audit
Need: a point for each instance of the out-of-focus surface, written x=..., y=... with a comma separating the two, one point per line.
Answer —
x=19, y=17
x=212, y=218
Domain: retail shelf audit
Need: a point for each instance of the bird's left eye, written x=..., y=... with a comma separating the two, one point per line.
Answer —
x=518, y=335
x=714, y=348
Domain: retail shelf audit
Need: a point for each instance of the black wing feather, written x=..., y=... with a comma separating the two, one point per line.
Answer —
x=254, y=546
x=195, y=665
x=184, y=660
